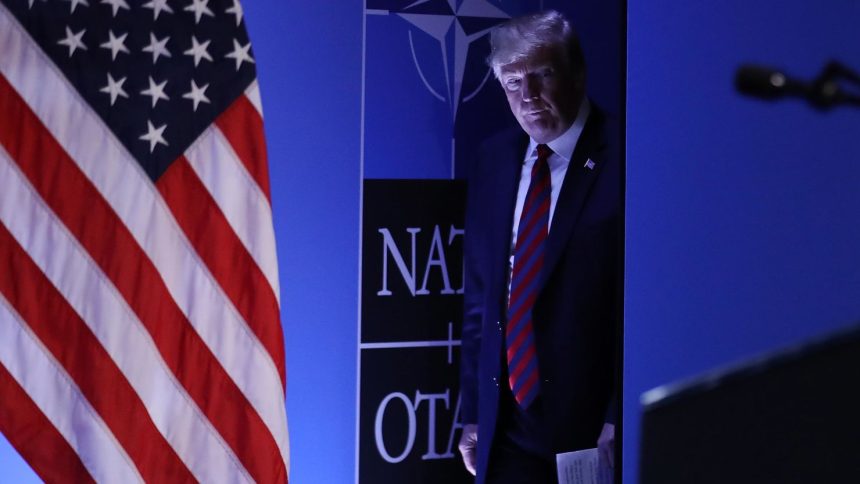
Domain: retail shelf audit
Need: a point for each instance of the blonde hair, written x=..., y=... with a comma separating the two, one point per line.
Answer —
x=520, y=37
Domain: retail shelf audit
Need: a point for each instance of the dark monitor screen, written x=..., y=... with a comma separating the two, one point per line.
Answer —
x=789, y=417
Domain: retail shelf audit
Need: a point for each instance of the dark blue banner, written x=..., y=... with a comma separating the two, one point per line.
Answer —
x=411, y=307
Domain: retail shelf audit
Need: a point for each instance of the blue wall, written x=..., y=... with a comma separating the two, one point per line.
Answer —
x=309, y=66
x=742, y=216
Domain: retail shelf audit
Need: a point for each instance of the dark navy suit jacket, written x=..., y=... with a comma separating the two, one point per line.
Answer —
x=578, y=306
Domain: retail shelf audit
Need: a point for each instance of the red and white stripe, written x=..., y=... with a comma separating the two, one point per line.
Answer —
x=169, y=290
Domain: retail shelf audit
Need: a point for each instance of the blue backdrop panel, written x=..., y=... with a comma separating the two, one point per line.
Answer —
x=401, y=112
x=429, y=97
x=309, y=64
x=742, y=228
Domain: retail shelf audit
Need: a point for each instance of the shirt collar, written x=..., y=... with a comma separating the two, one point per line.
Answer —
x=565, y=144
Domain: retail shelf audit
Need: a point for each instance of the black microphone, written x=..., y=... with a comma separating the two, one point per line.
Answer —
x=768, y=83
x=823, y=92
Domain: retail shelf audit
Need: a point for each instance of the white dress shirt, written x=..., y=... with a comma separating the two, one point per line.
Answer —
x=562, y=150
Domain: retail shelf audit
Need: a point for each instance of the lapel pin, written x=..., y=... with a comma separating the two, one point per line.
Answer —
x=589, y=164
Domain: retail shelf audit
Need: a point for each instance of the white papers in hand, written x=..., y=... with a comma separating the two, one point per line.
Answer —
x=582, y=467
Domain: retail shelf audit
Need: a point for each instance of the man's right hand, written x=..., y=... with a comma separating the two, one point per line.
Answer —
x=469, y=446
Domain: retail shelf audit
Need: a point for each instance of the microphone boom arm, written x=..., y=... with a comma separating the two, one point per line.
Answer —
x=824, y=92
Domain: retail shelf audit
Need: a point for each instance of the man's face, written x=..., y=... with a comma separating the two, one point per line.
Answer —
x=542, y=93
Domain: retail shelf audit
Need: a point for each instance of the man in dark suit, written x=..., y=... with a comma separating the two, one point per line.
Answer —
x=542, y=255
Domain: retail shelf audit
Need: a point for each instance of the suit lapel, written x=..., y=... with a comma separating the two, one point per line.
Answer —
x=574, y=193
x=509, y=161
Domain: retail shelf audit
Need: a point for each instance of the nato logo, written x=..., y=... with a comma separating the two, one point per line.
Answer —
x=454, y=28
x=424, y=78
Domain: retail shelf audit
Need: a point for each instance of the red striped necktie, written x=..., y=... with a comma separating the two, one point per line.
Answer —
x=528, y=261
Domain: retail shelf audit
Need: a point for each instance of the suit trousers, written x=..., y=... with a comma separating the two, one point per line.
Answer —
x=520, y=453
x=510, y=464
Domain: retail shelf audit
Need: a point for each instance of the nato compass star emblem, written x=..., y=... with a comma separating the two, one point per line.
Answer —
x=455, y=25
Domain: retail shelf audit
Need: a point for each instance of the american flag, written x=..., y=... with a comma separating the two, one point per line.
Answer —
x=140, y=335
